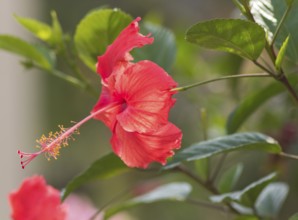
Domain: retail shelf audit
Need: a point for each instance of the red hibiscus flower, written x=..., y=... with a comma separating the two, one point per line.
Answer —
x=35, y=200
x=134, y=103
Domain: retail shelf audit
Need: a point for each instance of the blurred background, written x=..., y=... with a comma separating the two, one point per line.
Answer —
x=34, y=103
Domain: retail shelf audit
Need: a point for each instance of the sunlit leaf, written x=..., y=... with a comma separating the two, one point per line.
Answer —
x=39, y=29
x=271, y=199
x=268, y=13
x=229, y=178
x=240, y=37
x=96, y=31
x=105, y=167
x=22, y=48
x=248, y=195
x=169, y=192
x=162, y=51
x=240, y=141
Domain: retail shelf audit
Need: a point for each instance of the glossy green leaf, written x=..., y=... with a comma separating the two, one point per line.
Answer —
x=162, y=51
x=281, y=54
x=240, y=37
x=271, y=199
x=268, y=13
x=105, y=167
x=229, y=178
x=96, y=31
x=248, y=195
x=39, y=29
x=240, y=141
x=22, y=48
x=294, y=217
x=169, y=192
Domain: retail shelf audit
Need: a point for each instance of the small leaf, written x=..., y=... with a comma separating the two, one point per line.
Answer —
x=240, y=141
x=229, y=179
x=96, y=31
x=240, y=37
x=39, y=29
x=162, y=51
x=57, y=33
x=281, y=54
x=105, y=167
x=248, y=195
x=271, y=199
x=169, y=192
x=22, y=48
x=294, y=217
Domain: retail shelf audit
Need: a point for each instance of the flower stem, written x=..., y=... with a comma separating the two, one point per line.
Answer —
x=222, y=78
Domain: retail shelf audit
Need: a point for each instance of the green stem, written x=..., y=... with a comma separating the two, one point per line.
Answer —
x=290, y=156
x=69, y=58
x=221, y=78
x=278, y=28
x=284, y=80
x=70, y=79
x=218, y=167
x=207, y=204
x=189, y=173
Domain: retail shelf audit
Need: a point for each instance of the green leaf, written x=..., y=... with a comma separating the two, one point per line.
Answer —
x=39, y=29
x=57, y=33
x=294, y=217
x=162, y=51
x=250, y=104
x=240, y=37
x=246, y=217
x=202, y=168
x=240, y=141
x=96, y=31
x=105, y=167
x=281, y=54
x=229, y=179
x=268, y=13
x=248, y=195
x=22, y=48
x=169, y=192
x=271, y=199
x=51, y=35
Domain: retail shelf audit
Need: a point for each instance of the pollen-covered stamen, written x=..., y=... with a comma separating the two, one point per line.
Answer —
x=52, y=144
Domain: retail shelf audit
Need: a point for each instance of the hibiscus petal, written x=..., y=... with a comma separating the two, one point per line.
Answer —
x=128, y=39
x=109, y=116
x=145, y=88
x=35, y=200
x=139, y=150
